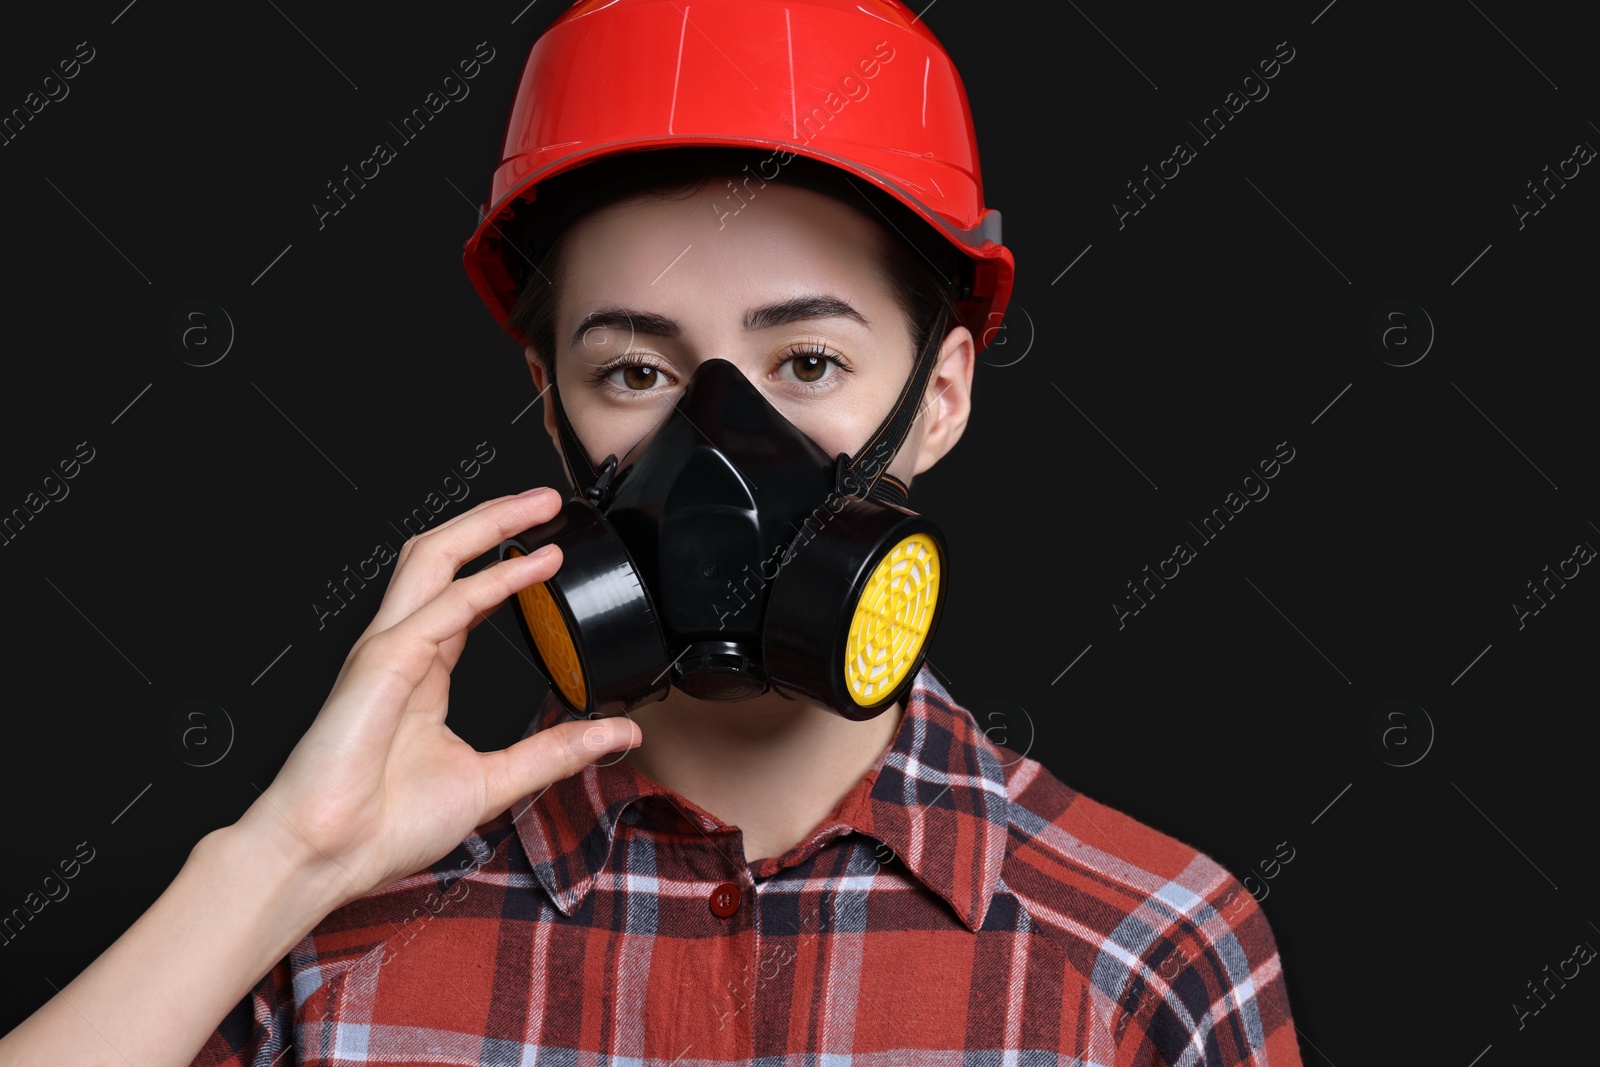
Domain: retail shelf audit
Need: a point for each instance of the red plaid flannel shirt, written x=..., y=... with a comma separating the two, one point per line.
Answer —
x=960, y=899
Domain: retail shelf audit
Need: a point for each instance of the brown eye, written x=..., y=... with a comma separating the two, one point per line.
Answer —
x=625, y=375
x=810, y=368
x=639, y=376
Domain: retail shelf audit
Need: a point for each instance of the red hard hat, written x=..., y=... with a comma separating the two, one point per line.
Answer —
x=863, y=86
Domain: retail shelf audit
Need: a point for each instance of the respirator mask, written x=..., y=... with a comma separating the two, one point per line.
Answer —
x=734, y=556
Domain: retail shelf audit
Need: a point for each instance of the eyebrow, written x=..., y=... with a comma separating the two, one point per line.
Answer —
x=796, y=309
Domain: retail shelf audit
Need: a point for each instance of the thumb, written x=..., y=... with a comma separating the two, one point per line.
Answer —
x=552, y=754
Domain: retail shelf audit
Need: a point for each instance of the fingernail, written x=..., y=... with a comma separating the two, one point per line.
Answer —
x=602, y=737
x=536, y=491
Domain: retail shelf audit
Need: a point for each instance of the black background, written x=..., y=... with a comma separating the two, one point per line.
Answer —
x=1233, y=712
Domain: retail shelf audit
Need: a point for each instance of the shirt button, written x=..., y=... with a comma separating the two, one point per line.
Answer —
x=725, y=899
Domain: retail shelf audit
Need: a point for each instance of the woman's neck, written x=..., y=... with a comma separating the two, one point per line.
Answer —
x=772, y=767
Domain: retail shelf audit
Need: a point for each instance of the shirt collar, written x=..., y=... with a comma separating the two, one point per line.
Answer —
x=936, y=797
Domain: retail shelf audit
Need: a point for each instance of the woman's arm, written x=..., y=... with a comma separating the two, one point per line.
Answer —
x=378, y=788
x=244, y=897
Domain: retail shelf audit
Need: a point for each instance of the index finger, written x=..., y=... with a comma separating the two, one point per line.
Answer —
x=434, y=557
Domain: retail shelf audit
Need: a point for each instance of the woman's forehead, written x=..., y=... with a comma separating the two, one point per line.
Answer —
x=774, y=241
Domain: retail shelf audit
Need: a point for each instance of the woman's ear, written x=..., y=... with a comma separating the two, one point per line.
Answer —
x=948, y=401
x=542, y=382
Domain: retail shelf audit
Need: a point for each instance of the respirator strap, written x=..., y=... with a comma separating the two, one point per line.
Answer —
x=890, y=490
x=572, y=450
x=892, y=431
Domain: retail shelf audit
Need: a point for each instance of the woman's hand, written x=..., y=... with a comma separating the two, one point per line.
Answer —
x=379, y=787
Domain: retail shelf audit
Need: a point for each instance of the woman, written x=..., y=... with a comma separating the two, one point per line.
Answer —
x=784, y=868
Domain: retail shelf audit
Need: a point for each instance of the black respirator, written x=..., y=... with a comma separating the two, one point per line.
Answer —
x=734, y=556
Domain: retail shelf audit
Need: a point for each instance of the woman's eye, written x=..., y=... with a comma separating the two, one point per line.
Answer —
x=638, y=377
x=809, y=367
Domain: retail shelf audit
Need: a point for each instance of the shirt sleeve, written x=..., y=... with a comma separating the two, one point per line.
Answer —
x=258, y=1029
x=1210, y=988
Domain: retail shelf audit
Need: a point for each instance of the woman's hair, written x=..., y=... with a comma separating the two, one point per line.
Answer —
x=922, y=269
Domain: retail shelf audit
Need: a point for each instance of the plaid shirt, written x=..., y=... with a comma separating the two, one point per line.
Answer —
x=959, y=902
